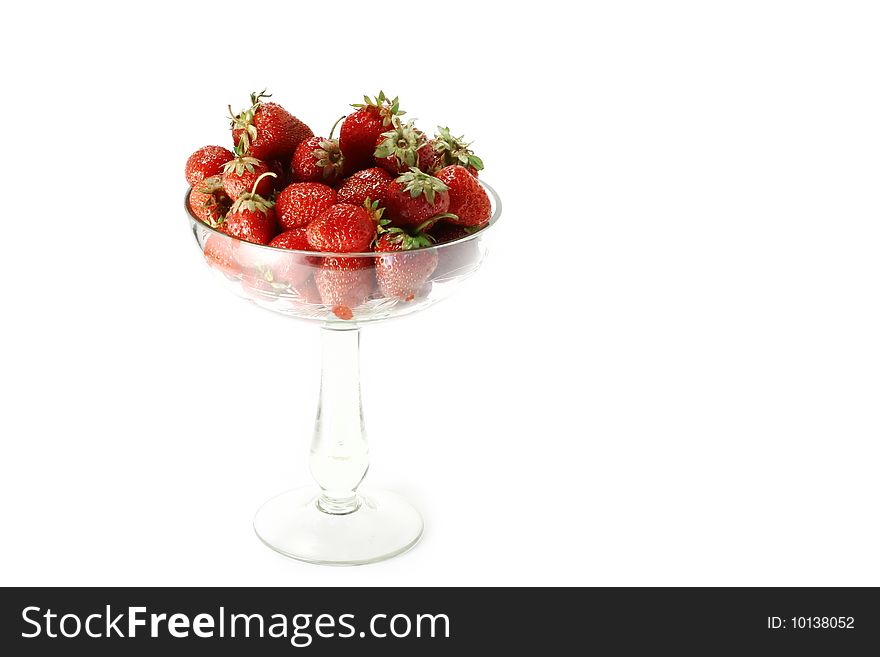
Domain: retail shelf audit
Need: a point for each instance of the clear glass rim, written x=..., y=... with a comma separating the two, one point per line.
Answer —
x=496, y=214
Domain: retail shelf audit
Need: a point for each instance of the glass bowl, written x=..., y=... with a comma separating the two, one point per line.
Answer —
x=338, y=522
x=298, y=283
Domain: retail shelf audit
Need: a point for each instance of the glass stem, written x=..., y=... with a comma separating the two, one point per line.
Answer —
x=339, y=457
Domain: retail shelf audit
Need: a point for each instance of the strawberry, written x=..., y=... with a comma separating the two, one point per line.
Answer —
x=290, y=268
x=361, y=129
x=298, y=204
x=367, y=184
x=402, y=147
x=240, y=173
x=267, y=131
x=404, y=267
x=218, y=253
x=292, y=239
x=344, y=228
x=318, y=160
x=415, y=197
x=208, y=201
x=468, y=201
x=453, y=150
x=429, y=159
x=251, y=217
x=344, y=283
x=206, y=162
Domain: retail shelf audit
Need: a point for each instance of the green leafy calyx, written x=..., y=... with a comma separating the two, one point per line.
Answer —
x=240, y=164
x=408, y=241
x=388, y=108
x=454, y=150
x=403, y=143
x=329, y=157
x=375, y=212
x=419, y=183
x=244, y=121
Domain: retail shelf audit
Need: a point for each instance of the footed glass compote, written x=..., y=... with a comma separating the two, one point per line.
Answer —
x=337, y=522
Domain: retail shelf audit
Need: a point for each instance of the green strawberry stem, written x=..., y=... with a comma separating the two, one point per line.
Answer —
x=259, y=178
x=257, y=97
x=433, y=220
x=333, y=129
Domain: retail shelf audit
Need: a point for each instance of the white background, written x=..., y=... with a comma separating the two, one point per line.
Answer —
x=666, y=372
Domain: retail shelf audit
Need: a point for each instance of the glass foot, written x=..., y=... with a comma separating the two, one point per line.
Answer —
x=383, y=526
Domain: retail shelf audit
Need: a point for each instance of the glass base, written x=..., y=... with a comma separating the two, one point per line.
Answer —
x=383, y=526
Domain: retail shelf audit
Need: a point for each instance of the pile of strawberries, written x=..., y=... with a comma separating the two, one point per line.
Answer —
x=382, y=186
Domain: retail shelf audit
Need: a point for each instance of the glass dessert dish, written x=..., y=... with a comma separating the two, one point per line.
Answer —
x=337, y=523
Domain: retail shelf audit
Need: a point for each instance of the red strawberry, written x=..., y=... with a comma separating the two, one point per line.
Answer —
x=344, y=283
x=414, y=198
x=453, y=150
x=218, y=253
x=468, y=201
x=292, y=239
x=318, y=160
x=240, y=173
x=267, y=131
x=403, y=147
x=361, y=129
x=208, y=200
x=300, y=203
x=344, y=228
x=367, y=184
x=402, y=275
x=251, y=217
x=290, y=268
x=429, y=159
x=206, y=162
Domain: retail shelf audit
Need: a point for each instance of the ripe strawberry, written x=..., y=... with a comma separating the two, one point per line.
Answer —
x=290, y=268
x=292, y=239
x=401, y=148
x=344, y=283
x=367, y=184
x=206, y=162
x=429, y=159
x=361, y=129
x=344, y=228
x=453, y=150
x=468, y=201
x=251, y=217
x=416, y=197
x=208, y=201
x=240, y=173
x=300, y=203
x=267, y=131
x=405, y=267
x=318, y=160
x=218, y=253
